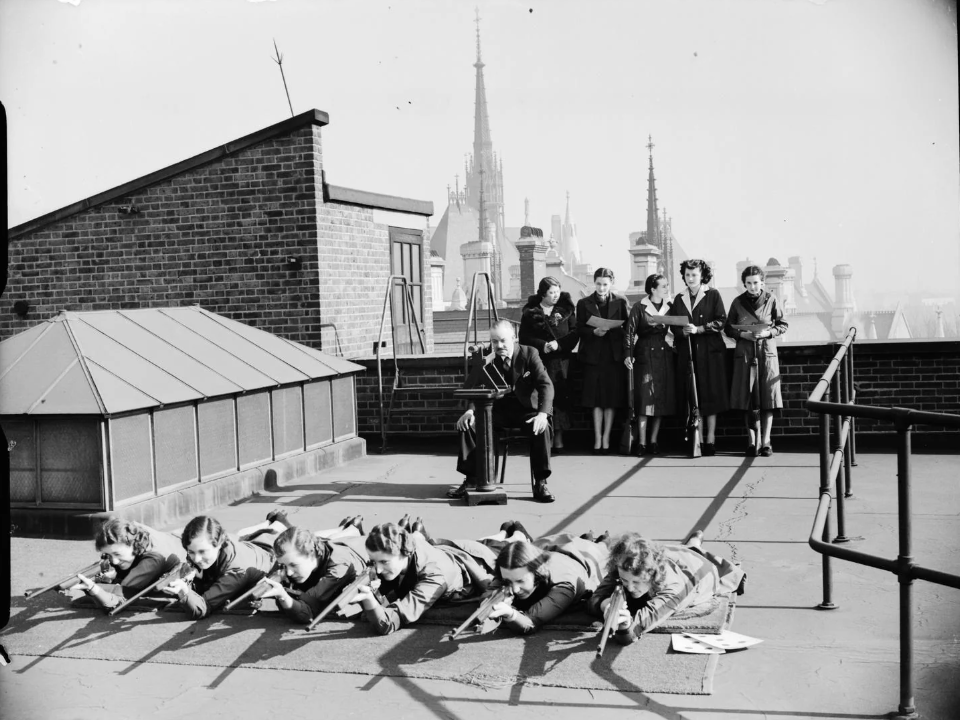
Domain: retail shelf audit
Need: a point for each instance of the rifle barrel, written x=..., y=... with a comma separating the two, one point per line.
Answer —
x=257, y=591
x=613, y=611
x=67, y=582
x=347, y=593
x=172, y=566
x=480, y=614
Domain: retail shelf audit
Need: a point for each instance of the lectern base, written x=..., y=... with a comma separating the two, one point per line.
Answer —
x=493, y=497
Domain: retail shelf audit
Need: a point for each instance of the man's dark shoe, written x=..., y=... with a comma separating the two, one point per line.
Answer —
x=541, y=494
x=461, y=492
x=766, y=451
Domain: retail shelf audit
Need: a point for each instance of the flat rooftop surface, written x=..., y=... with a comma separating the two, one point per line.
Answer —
x=840, y=664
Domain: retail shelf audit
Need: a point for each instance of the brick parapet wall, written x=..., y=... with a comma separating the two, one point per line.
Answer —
x=923, y=375
x=218, y=235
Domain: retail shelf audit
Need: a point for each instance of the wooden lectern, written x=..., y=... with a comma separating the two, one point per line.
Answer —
x=485, y=454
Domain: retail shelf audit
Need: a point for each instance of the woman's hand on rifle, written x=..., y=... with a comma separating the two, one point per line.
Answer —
x=365, y=597
x=503, y=610
x=628, y=361
x=279, y=592
x=624, y=620
x=551, y=346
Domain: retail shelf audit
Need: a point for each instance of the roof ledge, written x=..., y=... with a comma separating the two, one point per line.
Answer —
x=362, y=198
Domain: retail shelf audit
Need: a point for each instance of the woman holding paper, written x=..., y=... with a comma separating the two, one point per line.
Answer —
x=754, y=320
x=600, y=318
x=652, y=359
x=660, y=581
x=702, y=306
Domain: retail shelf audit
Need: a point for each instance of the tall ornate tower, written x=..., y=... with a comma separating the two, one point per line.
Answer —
x=484, y=172
x=569, y=244
x=659, y=233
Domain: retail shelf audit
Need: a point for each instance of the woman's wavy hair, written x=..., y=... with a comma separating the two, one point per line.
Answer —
x=203, y=525
x=639, y=556
x=390, y=538
x=117, y=531
x=706, y=274
x=302, y=541
x=522, y=554
x=652, y=282
x=545, y=284
x=603, y=272
x=752, y=270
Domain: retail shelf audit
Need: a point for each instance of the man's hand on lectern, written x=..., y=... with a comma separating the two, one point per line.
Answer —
x=466, y=421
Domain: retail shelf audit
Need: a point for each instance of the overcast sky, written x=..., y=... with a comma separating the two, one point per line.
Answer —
x=781, y=127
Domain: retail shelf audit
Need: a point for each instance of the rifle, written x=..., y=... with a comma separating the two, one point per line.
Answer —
x=693, y=417
x=610, y=618
x=259, y=588
x=755, y=373
x=173, y=569
x=101, y=565
x=626, y=437
x=345, y=596
x=481, y=614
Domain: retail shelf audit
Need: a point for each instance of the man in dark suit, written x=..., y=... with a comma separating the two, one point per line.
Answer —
x=527, y=405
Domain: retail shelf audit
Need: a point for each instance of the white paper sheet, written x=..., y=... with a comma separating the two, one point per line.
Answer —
x=684, y=644
x=726, y=640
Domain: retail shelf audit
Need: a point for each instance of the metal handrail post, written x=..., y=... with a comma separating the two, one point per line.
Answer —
x=907, y=707
x=852, y=397
x=848, y=400
x=827, y=603
x=838, y=445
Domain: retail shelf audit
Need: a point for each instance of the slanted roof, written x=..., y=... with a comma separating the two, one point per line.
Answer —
x=115, y=361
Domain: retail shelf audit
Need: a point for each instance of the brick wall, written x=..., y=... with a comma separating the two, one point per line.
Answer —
x=217, y=230
x=923, y=375
x=218, y=236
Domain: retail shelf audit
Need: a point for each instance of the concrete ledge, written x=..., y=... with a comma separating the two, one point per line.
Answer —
x=176, y=508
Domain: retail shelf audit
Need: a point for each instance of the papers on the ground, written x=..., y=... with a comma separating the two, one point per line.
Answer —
x=599, y=322
x=712, y=644
x=675, y=320
x=752, y=328
x=684, y=644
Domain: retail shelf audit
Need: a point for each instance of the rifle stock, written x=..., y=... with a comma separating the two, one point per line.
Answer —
x=610, y=618
x=345, y=596
x=259, y=589
x=481, y=614
x=173, y=570
x=71, y=580
x=693, y=418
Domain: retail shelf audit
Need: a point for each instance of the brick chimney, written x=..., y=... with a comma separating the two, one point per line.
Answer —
x=533, y=259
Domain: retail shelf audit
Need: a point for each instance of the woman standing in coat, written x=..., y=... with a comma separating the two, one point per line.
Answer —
x=703, y=308
x=601, y=354
x=549, y=324
x=653, y=360
x=756, y=307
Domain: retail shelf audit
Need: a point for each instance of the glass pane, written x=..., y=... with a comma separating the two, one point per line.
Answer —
x=416, y=264
x=406, y=261
x=397, y=267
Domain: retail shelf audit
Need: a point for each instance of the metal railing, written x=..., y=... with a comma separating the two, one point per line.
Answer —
x=837, y=385
x=408, y=316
